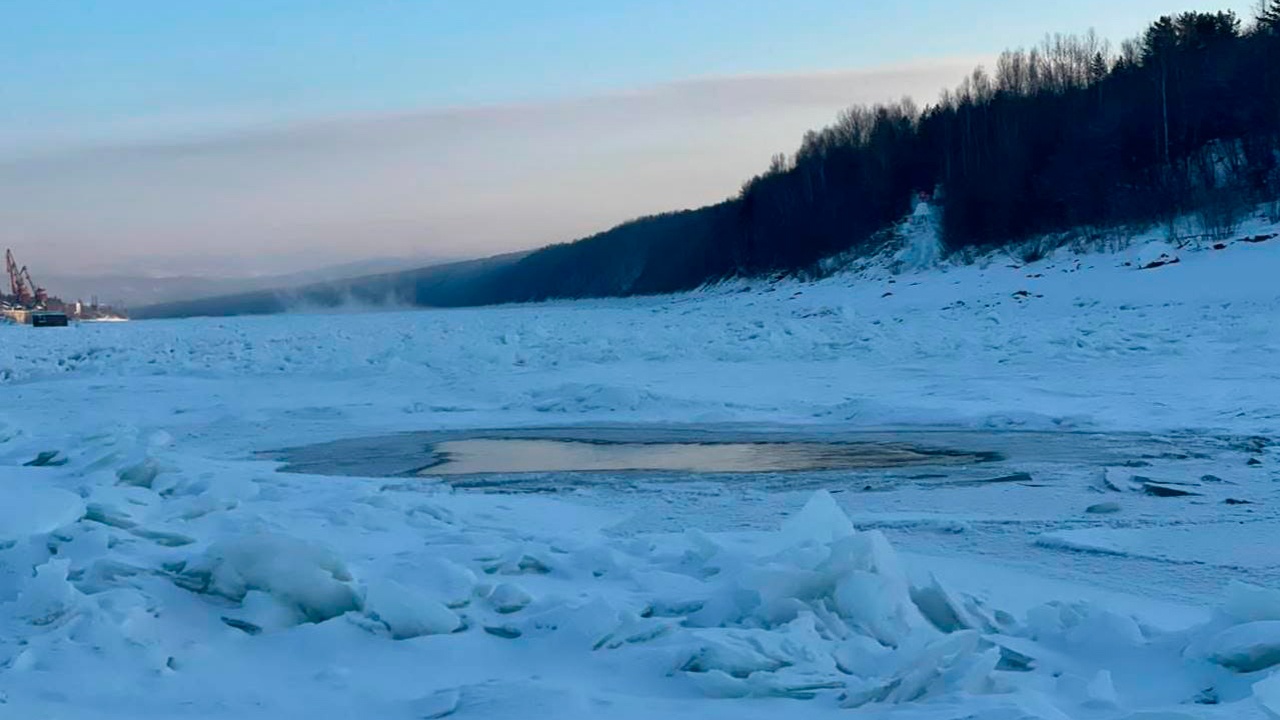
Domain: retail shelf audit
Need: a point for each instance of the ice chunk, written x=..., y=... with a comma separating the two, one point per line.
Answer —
x=506, y=632
x=407, y=613
x=46, y=458
x=29, y=508
x=871, y=589
x=820, y=521
x=582, y=624
x=304, y=575
x=441, y=703
x=82, y=544
x=869, y=551
x=518, y=561
x=1247, y=648
x=263, y=611
x=109, y=515
x=1105, y=630
x=735, y=653
x=159, y=439
x=778, y=592
x=143, y=474
x=508, y=598
x=507, y=698
x=1267, y=694
x=1022, y=655
x=954, y=662
x=167, y=538
x=46, y=598
x=451, y=583
x=1112, y=480
x=636, y=630
x=1250, y=603
x=104, y=574
x=937, y=606
x=869, y=602
x=1101, y=691
x=720, y=684
x=1166, y=491
x=861, y=656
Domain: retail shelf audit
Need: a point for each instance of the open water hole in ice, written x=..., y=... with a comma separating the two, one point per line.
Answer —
x=590, y=455
x=657, y=450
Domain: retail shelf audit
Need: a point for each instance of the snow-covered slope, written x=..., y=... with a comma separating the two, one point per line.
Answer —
x=151, y=568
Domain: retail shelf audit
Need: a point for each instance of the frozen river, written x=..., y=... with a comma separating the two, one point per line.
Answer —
x=921, y=496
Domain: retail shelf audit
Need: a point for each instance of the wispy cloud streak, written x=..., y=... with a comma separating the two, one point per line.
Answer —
x=453, y=181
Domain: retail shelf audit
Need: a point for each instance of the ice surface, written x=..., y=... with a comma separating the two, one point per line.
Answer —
x=152, y=568
x=1247, y=545
x=437, y=705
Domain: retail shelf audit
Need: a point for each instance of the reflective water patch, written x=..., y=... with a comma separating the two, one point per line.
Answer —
x=478, y=456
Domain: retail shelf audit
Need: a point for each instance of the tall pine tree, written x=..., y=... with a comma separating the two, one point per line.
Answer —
x=1269, y=17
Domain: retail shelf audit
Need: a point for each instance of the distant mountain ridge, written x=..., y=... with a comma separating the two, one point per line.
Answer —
x=467, y=282
x=144, y=290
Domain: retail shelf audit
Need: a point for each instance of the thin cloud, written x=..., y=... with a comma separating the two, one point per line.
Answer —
x=453, y=182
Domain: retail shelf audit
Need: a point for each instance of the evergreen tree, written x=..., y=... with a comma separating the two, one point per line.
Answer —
x=1098, y=67
x=1269, y=17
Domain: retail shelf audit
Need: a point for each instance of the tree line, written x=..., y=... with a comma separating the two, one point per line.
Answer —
x=1183, y=120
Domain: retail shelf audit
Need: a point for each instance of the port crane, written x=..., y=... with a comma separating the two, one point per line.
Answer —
x=23, y=291
x=26, y=303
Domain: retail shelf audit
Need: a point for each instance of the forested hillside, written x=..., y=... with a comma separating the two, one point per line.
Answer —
x=1067, y=136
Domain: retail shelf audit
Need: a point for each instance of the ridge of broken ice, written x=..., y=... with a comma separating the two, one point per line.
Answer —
x=815, y=611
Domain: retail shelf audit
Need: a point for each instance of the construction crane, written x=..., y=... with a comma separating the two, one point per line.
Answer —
x=22, y=289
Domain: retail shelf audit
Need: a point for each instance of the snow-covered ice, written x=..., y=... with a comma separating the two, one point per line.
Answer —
x=153, y=566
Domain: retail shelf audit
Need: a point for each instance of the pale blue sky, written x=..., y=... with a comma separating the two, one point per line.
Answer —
x=88, y=66
x=77, y=74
